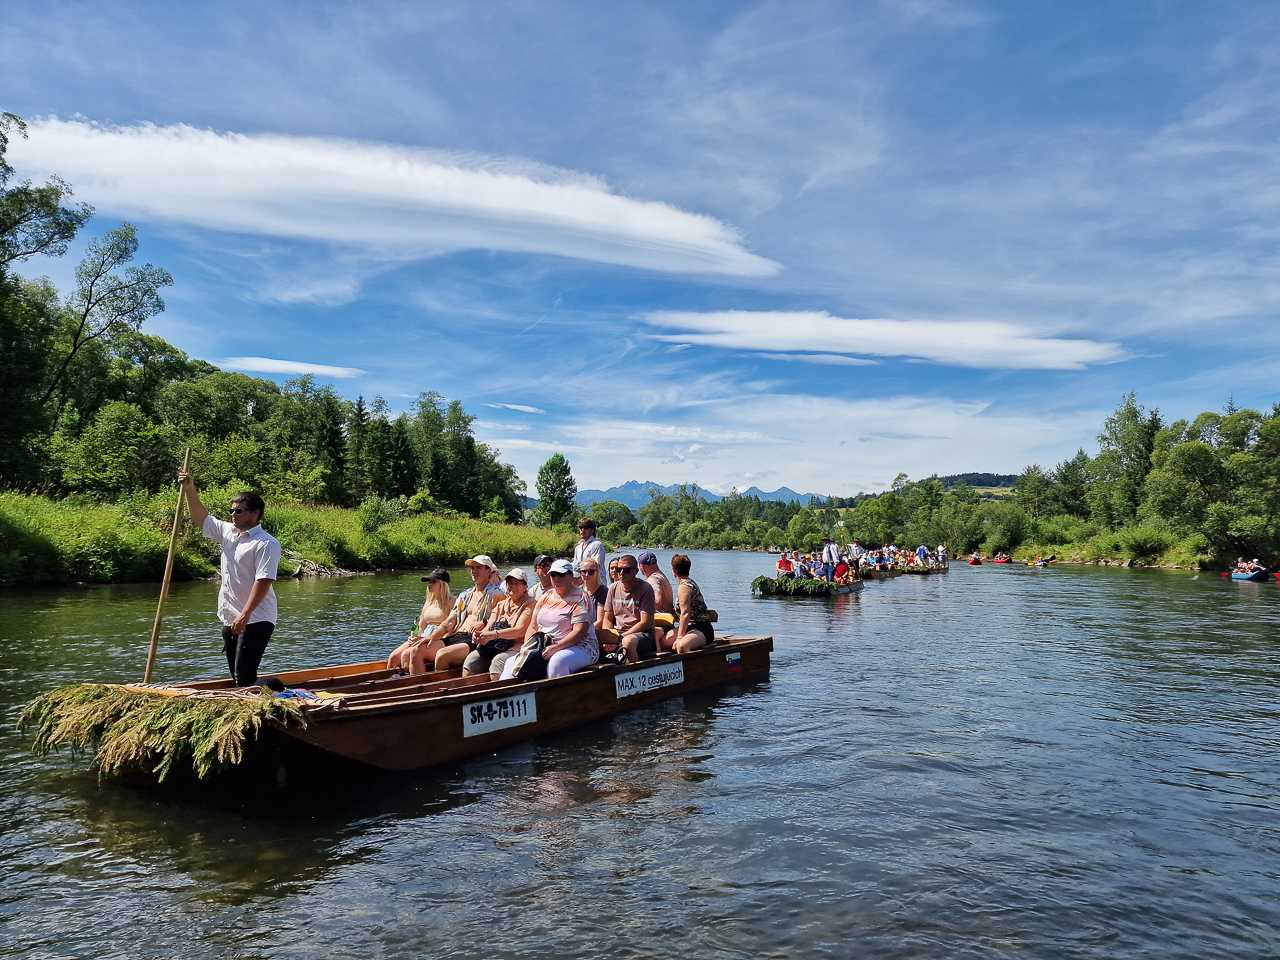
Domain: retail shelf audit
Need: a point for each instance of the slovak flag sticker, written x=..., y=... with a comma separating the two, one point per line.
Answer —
x=733, y=661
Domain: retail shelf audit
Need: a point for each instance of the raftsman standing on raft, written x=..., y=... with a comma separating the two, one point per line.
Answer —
x=250, y=559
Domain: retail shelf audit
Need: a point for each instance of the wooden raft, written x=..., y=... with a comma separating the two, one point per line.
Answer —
x=409, y=723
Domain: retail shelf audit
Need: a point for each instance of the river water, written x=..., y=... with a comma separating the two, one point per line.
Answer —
x=994, y=762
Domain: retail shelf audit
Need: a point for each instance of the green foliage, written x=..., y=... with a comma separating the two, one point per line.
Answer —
x=613, y=520
x=804, y=532
x=556, y=490
x=129, y=730
x=60, y=541
x=377, y=512
x=791, y=587
x=121, y=450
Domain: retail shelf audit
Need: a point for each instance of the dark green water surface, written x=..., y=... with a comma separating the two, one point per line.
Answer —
x=991, y=763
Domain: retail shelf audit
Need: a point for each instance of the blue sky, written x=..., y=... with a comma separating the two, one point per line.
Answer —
x=797, y=244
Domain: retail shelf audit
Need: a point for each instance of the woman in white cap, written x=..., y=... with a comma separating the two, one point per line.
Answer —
x=472, y=608
x=435, y=610
x=564, y=615
x=504, y=629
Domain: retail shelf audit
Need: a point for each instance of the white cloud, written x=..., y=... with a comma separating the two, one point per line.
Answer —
x=271, y=365
x=826, y=359
x=830, y=445
x=493, y=426
x=395, y=199
x=517, y=407
x=965, y=343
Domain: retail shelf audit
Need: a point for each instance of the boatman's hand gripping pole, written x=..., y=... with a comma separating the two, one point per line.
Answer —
x=168, y=573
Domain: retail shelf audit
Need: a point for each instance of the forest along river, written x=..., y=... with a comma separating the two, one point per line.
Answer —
x=1071, y=762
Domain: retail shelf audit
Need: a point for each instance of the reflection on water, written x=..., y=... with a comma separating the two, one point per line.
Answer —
x=1059, y=763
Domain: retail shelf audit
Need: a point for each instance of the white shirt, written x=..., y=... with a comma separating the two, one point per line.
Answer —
x=830, y=553
x=247, y=556
x=592, y=549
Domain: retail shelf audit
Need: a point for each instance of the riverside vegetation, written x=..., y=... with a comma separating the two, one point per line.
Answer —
x=1187, y=493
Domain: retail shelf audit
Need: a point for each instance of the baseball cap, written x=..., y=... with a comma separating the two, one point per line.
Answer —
x=439, y=573
x=561, y=566
x=542, y=560
x=648, y=557
x=482, y=560
x=515, y=573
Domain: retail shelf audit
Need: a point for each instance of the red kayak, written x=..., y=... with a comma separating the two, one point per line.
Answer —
x=1004, y=560
x=974, y=563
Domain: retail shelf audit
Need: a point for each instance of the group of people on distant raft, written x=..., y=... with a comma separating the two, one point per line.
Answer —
x=569, y=616
x=1249, y=566
x=842, y=564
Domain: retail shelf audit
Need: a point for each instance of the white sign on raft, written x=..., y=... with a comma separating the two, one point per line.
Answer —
x=651, y=678
x=490, y=715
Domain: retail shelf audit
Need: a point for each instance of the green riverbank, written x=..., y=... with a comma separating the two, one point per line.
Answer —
x=1133, y=546
x=44, y=541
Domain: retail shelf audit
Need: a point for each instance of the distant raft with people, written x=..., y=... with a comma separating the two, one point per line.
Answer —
x=801, y=587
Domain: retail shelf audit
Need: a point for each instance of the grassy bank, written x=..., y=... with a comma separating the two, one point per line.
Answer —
x=65, y=541
x=1135, y=545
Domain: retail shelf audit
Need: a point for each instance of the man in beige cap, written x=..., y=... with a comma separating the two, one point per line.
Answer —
x=471, y=609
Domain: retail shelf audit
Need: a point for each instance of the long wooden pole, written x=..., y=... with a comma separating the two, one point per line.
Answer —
x=168, y=573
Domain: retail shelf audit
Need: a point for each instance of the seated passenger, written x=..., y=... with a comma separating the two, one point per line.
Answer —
x=564, y=616
x=435, y=610
x=842, y=571
x=591, y=585
x=784, y=566
x=541, y=570
x=494, y=640
x=628, y=613
x=693, y=619
x=471, y=609
x=664, y=618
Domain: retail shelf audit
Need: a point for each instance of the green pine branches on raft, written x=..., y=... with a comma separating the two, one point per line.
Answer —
x=791, y=587
x=128, y=729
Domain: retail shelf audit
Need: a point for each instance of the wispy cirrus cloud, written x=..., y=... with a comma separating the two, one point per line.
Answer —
x=272, y=365
x=400, y=200
x=963, y=343
x=517, y=407
x=822, y=359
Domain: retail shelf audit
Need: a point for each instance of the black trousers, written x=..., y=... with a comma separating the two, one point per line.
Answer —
x=244, y=652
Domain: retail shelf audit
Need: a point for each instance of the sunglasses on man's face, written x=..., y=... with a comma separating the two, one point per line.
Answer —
x=588, y=571
x=235, y=510
x=625, y=570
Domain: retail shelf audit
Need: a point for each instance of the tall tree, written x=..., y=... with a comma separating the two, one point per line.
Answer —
x=1071, y=485
x=402, y=462
x=33, y=220
x=29, y=321
x=357, y=450
x=328, y=444
x=1034, y=491
x=110, y=297
x=1123, y=462
x=556, y=491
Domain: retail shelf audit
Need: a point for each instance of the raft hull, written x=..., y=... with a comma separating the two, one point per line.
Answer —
x=1259, y=576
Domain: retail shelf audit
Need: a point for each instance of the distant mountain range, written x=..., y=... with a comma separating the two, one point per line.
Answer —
x=636, y=493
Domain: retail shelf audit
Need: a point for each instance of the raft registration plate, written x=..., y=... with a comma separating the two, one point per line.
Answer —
x=490, y=715
x=651, y=678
